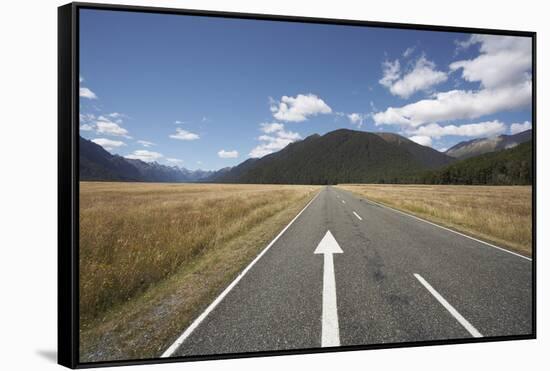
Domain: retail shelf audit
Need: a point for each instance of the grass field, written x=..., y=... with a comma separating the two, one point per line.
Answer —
x=153, y=255
x=498, y=214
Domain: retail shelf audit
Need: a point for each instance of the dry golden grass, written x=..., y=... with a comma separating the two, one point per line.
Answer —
x=499, y=214
x=153, y=255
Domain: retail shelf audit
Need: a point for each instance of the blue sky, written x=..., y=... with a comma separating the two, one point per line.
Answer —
x=207, y=93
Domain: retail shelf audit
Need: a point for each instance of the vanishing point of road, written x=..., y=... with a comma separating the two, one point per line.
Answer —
x=347, y=271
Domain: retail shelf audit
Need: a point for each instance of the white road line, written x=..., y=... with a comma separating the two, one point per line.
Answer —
x=447, y=229
x=220, y=297
x=357, y=215
x=330, y=331
x=467, y=325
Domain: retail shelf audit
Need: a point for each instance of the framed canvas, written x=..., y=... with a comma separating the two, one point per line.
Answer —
x=242, y=185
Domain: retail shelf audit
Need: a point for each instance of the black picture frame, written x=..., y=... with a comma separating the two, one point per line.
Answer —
x=68, y=179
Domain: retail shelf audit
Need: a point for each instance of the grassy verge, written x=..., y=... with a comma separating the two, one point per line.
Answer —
x=152, y=256
x=498, y=214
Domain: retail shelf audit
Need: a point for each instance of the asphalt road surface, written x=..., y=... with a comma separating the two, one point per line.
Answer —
x=350, y=272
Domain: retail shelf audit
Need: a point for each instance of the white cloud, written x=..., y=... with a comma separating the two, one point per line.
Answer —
x=116, y=115
x=503, y=69
x=407, y=53
x=422, y=140
x=503, y=60
x=390, y=73
x=482, y=129
x=278, y=139
x=174, y=160
x=144, y=155
x=457, y=104
x=87, y=93
x=108, y=144
x=106, y=126
x=86, y=127
x=184, y=135
x=228, y=154
x=420, y=78
x=298, y=108
x=518, y=128
x=356, y=118
x=87, y=117
x=178, y=122
x=146, y=143
x=271, y=127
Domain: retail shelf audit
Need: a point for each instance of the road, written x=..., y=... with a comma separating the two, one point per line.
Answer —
x=393, y=279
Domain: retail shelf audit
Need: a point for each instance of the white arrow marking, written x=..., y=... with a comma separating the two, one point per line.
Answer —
x=330, y=332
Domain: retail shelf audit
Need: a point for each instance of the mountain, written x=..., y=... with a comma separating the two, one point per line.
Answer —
x=480, y=146
x=506, y=167
x=426, y=155
x=340, y=156
x=98, y=164
x=233, y=174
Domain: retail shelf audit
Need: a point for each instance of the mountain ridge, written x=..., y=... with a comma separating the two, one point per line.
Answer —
x=479, y=146
x=512, y=166
x=97, y=164
x=339, y=156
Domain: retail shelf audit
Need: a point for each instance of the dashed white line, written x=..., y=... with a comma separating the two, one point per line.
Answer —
x=213, y=305
x=357, y=215
x=467, y=325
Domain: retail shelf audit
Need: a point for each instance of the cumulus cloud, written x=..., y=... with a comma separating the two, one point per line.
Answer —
x=423, y=140
x=87, y=93
x=356, y=119
x=271, y=127
x=503, y=60
x=146, y=143
x=227, y=154
x=116, y=115
x=108, y=144
x=390, y=73
x=86, y=127
x=87, y=117
x=421, y=77
x=481, y=129
x=518, y=128
x=277, y=140
x=144, y=155
x=104, y=125
x=457, y=104
x=502, y=68
x=299, y=108
x=408, y=52
x=182, y=134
